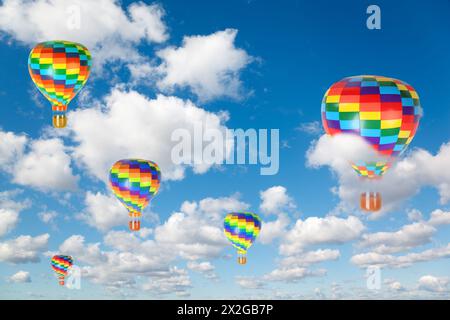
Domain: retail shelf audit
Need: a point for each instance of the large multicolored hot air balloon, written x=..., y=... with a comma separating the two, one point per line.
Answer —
x=61, y=264
x=135, y=182
x=59, y=69
x=241, y=228
x=384, y=111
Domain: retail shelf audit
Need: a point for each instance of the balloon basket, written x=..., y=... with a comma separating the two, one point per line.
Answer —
x=370, y=201
x=242, y=260
x=59, y=121
x=135, y=225
x=61, y=281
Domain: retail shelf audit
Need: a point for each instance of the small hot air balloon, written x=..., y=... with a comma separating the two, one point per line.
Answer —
x=384, y=111
x=241, y=228
x=135, y=182
x=59, y=69
x=61, y=264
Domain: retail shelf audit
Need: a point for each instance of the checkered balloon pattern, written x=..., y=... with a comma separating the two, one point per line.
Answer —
x=384, y=111
x=370, y=169
x=134, y=182
x=59, y=69
x=61, y=263
x=242, y=228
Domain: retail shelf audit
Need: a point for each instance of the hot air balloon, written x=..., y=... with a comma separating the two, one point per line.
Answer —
x=241, y=228
x=135, y=182
x=384, y=111
x=59, y=69
x=61, y=264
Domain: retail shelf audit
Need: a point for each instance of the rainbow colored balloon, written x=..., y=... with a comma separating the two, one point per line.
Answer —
x=135, y=182
x=241, y=228
x=384, y=111
x=61, y=264
x=59, y=69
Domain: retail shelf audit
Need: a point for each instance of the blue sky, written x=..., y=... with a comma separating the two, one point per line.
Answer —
x=264, y=65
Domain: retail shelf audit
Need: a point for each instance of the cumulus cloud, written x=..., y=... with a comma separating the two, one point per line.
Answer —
x=10, y=208
x=439, y=217
x=118, y=268
x=208, y=65
x=8, y=220
x=173, y=281
x=250, y=282
x=407, y=176
x=43, y=164
x=190, y=235
x=118, y=31
x=194, y=233
x=275, y=200
x=11, y=148
x=396, y=286
x=48, y=217
x=409, y=236
x=366, y=259
x=293, y=274
x=434, y=284
x=315, y=231
x=271, y=230
x=310, y=257
x=216, y=208
x=23, y=249
x=203, y=267
x=382, y=245
x=130, y=125
x=20, y=277
x=46, y=166
x=103, y=212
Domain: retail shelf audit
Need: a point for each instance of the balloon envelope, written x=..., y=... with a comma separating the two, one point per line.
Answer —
x=135, y=182
x=61, y=263
x=59, y=69
x=242, y=228
x=384, y=111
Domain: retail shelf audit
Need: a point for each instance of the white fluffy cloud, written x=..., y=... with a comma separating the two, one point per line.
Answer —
x=191, y=235
x=43, y=164
x=208, y=65
x=118, y=268
x=409, y=236
x=23, y=249
x=11, y=149
x=292, y=274
x=173, y=281
x=20, y=277
x=315, y=231
x=275, y=200
x=216, y=208
x=46, y=166
x=311, y=257
x=366, y=259
x=10, y=208
x=132, y=126
x=250, y=282
x=271, y=230
x=8, y=220
x=117, y=31
x=103, y=212
x=405, y=179
x=48, y=217
x=396, y=286
x=434, y=284
x=439, y=217
x=203, y=267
